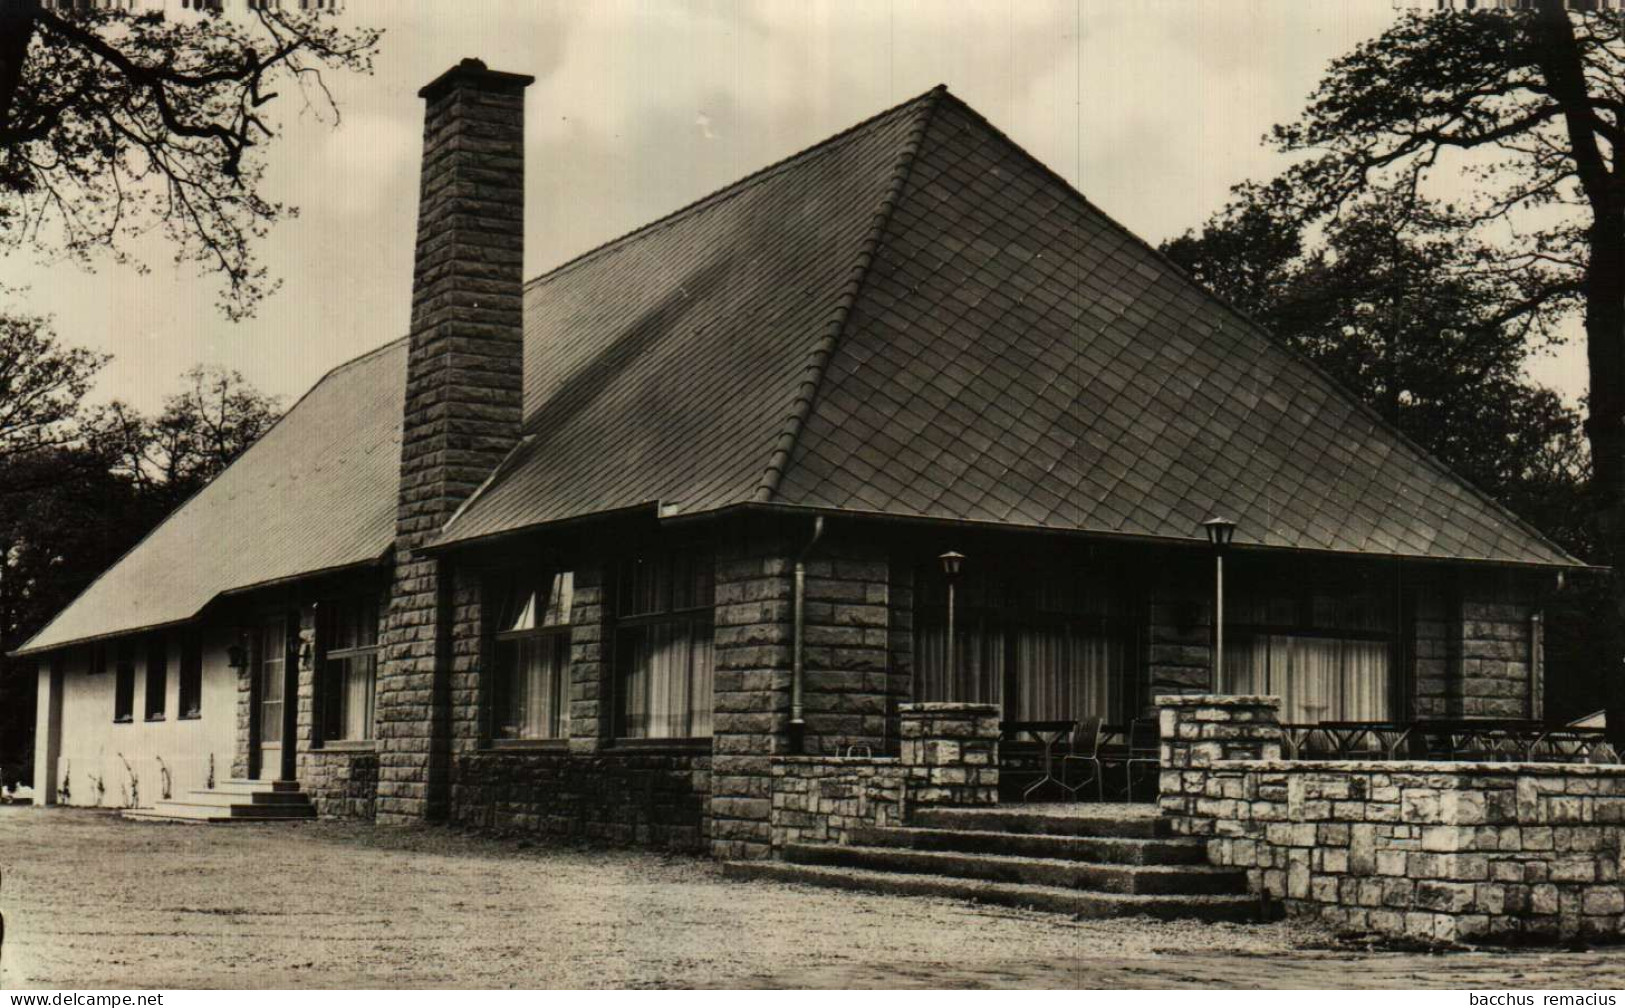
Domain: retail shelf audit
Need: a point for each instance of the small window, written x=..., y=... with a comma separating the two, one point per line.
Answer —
x=124, y=682
x=96, y=661
x=191, y=693
x=349, y=670
x=663, y=646
x=530, y=657
x=157, y=677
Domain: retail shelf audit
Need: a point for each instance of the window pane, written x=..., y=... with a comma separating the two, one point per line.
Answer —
x=272, y=662
x=191, y=686
x=157, y=676
x=530, y=687
x=667, y=680
x=1317, y=678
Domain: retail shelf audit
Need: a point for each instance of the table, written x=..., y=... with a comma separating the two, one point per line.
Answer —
x=1048, y=734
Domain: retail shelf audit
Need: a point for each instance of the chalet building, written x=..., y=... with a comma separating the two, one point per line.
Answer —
x=581, y=553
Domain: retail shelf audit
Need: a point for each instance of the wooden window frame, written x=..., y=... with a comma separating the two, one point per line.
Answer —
x=156, y=708
x=124, y=683
x=622, y=624
x=556, y=635
x=190, y=676
x=332, y=657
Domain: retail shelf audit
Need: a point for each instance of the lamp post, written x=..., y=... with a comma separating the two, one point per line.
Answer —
x=1220, y=531
x=952, y=561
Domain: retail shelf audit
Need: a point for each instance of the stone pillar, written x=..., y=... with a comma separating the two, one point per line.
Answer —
x=464, y=405
x=754, y=626
x=951, y=753
x=846, y=634
x=1198, y=731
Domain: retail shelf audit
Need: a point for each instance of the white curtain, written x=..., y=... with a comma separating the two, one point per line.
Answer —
x=1060, y=672
x=669, y=683
x=359, y=672
x=1317, y=678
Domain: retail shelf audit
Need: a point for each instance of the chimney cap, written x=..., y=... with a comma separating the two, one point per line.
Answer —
x=471, y=72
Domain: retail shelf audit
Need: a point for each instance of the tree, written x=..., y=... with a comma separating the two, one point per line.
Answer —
x=1529, y=106
x=115, y=122
x=72, y=506
x=1387, y=299
x=41, y=384
x=199, y=431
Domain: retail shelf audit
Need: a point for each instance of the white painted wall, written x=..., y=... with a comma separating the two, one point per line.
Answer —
x=91, y=742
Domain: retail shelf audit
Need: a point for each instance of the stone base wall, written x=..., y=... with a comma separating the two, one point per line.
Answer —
x=1433, y=850
x=654, y=800
x=1445, y=851
x=822, y=799
x=341, y=784
x=950, y=758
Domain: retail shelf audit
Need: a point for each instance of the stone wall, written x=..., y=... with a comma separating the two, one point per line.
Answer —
x=653, y=800
x=340, y=783
x=950, y=757
x=464, y=393
x=1432, y=850
x=1495, y=659
x=822, y=799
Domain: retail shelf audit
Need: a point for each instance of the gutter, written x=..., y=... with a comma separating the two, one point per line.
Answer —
x=798, y=721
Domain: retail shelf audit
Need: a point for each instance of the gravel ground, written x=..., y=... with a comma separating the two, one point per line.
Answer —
x=93, y=901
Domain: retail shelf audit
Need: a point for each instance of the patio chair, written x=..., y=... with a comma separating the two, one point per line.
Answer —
x=1144, y=748
x=1085, y=750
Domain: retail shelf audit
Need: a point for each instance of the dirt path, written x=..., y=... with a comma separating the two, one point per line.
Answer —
x=93, y=901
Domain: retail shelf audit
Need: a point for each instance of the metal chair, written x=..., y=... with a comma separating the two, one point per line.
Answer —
x=1085, y=749
x=1144, y=747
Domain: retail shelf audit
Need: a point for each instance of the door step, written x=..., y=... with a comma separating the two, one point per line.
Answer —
x=232, y=801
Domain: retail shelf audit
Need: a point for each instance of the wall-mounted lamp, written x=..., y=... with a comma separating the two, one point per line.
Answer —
x=237, y=656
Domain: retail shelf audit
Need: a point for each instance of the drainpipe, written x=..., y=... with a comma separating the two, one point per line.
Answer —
x=798, y=723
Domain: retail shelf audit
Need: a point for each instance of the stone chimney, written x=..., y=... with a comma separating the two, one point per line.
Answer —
x=463, y=402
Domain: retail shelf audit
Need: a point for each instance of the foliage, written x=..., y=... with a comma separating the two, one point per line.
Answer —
x=41, y=384
x=1388, y=299
x=117, y=122
x=72, y=504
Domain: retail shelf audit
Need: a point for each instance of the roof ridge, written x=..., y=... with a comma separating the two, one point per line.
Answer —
x=824, y=348
x=1406, y=440
x=735, y=187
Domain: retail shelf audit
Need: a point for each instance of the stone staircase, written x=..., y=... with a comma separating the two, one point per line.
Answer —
x=1085, y=860
x=232, y=801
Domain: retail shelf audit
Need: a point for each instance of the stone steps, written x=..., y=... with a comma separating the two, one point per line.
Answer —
x=1143, y=880
x=232, y=801
x=1057, y=899
x=1115, y=821
x=1088, y=860
x=1107, y=849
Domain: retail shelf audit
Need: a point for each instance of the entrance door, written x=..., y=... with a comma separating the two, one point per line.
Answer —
x=271, y=684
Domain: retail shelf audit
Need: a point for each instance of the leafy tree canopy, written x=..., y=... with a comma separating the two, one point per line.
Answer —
x=117, y=122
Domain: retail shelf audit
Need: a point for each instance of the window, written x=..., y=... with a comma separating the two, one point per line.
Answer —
x=1042, y=646
x=530, y=657
x=191, y=693
x=124, y=682
x=349, y=669
x=157, y=677
x=663, y=646
x=1327, y=651
x=273, y=661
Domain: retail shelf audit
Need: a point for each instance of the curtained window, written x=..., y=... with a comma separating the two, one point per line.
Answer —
x=124, y=682
x=1327, y=652
x=191, y=675
x=665, y=615
x=530, y=651
x=349, y=669
x=1043, y=648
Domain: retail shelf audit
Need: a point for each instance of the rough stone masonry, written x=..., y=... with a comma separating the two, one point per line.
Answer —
x=1434, y=850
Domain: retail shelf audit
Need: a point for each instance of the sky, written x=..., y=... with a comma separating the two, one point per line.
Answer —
x=1153, y=109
